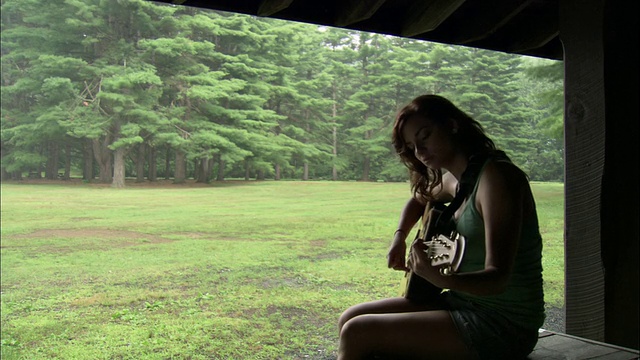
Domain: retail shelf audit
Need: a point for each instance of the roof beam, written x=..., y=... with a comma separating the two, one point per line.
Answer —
x=491, y=22
x=538, y=40
x=425, y=16
x=270, y=7
x=536, y=31
x=530, y=29
x=353, y=11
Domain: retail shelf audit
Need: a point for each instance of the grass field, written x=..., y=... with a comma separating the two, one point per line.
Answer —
x=233, y=270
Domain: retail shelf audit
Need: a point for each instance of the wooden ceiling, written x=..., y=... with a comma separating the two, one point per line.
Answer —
x=527, y=27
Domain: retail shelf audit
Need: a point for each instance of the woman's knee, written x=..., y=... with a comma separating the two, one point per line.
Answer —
x=349, y=346
x=349, y=314
x=353, y=336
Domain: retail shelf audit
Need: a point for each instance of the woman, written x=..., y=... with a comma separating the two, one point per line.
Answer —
x=494, y=306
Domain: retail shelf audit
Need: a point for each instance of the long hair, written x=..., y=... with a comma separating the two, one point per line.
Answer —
x=470, y=139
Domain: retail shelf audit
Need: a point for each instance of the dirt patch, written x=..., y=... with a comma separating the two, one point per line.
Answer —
x=318, y=243
x=127, y=238
x=105, y=234
x=161, y=183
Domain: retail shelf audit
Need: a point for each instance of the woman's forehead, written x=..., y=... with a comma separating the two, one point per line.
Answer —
x=415, y=123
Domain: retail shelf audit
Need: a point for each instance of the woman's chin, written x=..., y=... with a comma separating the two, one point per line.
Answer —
x=433, y=165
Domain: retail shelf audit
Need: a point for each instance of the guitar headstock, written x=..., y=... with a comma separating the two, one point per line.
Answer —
x=446, y=252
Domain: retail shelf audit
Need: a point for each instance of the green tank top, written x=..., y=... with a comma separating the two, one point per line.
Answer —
x=523, y=300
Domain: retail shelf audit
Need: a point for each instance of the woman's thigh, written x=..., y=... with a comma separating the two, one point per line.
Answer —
x=397, y=328
x=385, y=306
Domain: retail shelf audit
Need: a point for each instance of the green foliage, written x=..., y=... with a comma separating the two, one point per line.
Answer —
x=550, y=95
x=318, y=102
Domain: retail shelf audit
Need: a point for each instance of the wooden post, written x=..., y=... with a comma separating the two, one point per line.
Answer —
x=620, y=196
x=581, y=34
x=600, y=39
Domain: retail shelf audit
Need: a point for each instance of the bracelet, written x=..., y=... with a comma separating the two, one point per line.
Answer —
x=446, y=271
x=400, y=231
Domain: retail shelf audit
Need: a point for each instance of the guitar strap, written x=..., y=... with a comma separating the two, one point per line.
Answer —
x=465, y=186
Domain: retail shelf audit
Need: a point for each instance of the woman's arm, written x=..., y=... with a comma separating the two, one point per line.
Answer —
x=411, y=213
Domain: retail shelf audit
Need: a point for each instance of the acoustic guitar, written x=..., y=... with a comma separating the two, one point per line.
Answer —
x=445, y=249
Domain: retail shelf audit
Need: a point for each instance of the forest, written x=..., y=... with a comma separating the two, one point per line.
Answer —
x=113, y=89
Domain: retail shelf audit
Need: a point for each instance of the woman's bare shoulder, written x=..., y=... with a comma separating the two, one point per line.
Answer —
x=449, y=186
x=505, y=178
x=506, y=170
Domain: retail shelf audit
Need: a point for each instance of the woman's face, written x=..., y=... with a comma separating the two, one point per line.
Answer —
x=431, y=144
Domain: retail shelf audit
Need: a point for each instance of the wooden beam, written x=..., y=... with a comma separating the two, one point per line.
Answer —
x=270, y=7
x=620, y=223
x=519, y=30
x=581, y=33
x=426, y=16
x=353, y=11
x=540, y=39
x=490, y=22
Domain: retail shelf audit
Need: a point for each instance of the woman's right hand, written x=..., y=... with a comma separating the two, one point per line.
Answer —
x=396, y=259
x=411, y=212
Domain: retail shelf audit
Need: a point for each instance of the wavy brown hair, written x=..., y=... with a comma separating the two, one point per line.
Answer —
x=470, y=139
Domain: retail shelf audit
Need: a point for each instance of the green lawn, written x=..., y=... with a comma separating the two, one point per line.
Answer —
x=233, y=270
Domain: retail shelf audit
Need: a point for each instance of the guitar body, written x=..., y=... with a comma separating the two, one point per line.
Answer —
x=445, y=249
x=418, y=289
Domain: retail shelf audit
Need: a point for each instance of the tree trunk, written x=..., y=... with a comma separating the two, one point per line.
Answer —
x=167, y=164
x=51, y=170
x=221, y=165
x=152, y=175
x=202, y=170
x=196, y=169
x=181, y=168
x=334, y=114
x=211, y=165
x=277, y=177
x=102, y=155
x=118, y=168
x=366, y=162
x=305, y=172
x=87, y=166
x=366, y=168
x=140, y=160
x=5, y=175
x=40, y=169
x=247, y=170
x=67, y=160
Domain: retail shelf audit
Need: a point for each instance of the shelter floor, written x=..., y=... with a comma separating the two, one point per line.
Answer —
x=558, y=346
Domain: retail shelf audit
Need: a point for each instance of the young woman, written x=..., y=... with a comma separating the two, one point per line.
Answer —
x=494, y=306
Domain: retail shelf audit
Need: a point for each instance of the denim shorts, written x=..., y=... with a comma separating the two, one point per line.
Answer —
x=488, y=334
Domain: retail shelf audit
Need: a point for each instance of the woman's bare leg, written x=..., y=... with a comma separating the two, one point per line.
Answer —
x=385, y=306
x=397, y=328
